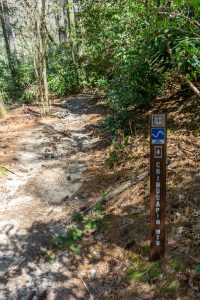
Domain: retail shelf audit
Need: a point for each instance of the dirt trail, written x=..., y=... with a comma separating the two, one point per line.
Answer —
x=48, y=157
x=59, y=167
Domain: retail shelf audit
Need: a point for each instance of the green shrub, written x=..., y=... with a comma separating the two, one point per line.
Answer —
x=77, y=216
x=197, y=269
x=68, y=241
x=62, y=77
x=178, y=266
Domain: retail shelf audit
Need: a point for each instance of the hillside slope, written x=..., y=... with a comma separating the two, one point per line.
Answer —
x=59, y=242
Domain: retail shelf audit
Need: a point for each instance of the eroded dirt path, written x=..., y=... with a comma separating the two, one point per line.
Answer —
x=48, y=158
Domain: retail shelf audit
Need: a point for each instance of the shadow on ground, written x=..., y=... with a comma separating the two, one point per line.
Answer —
x=100, y=269
x=84, y=104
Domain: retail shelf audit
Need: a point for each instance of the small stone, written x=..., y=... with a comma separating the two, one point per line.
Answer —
x=190, y=283
x=93, y=274
x=15, y=158
x=23, y=170
x=181, y=197
x=66, y=254
x=3, y=146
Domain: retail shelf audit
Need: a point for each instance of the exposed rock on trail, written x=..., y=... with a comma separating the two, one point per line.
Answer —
x=47, y=157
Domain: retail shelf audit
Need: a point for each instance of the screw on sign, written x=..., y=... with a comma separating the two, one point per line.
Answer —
x=158, y=142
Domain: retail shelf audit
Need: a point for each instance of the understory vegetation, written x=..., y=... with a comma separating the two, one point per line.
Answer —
x=125, y=49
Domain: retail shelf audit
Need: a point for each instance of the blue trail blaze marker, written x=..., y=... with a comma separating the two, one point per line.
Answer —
x=158, y=136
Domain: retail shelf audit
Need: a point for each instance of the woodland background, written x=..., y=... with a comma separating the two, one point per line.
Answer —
x=125, y=49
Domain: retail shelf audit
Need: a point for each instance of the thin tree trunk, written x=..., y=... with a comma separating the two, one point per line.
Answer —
x=61, y=22
x=72, y=35
x=43, y=53
x=8, y=37
x=50, y=37
x=42, y=66
x=38, y=64
x=9, y=29
x=3, y=111
x=34, y=36
x=76, y=29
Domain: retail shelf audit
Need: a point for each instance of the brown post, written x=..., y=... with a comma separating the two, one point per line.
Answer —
x=158, y=140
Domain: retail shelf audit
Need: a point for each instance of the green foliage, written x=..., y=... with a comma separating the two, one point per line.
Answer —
x=127, y=43
x=5, y=81
x=132, y=274
x=3, y=171
x=90, y=225
x=29, y=95
x=74, y=249
x=113, y=159
x=154, y=271
x=98, y=208
x=75, y=234
x=48, y=256
x=125, y=48
x=187, y=55
x=61, y=80
x=197, y=269
x=103, y=196
x=116, y=121
x=178, y=266
x=77, y=217
x=62, y=242
x=117, y=150
x=61, y=75
x=142, y=270
x=21, y=88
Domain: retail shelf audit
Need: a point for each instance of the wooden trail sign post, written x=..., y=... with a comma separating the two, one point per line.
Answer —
x=158, y=140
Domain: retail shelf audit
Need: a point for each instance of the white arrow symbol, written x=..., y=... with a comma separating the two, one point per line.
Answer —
x=158, y=152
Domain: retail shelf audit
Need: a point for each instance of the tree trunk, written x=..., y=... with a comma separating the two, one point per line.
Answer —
x=61, y=21
x=3, y=111
x=9, y=37
x=43, y=53
x=72, y=35
x=42, y=66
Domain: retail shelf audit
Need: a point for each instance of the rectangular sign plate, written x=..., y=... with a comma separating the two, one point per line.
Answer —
x=157, y=151
x=158, y=136
x=158, y=120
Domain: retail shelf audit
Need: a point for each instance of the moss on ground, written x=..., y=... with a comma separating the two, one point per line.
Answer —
x=142, y=270
x=3, y=171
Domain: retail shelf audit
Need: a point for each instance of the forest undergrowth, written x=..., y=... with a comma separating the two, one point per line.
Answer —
x=108, y=239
